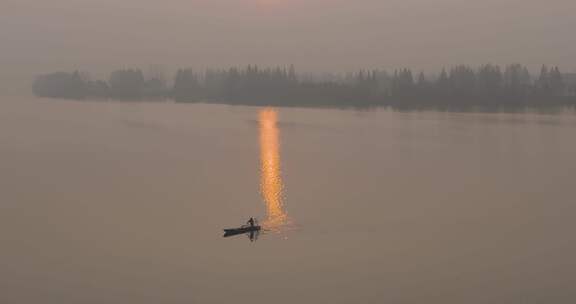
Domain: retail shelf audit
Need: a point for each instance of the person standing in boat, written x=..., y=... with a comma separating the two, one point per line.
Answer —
x=251, y=222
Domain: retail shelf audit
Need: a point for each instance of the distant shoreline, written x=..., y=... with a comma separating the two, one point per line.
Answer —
x=525, y=108
x=461, y=87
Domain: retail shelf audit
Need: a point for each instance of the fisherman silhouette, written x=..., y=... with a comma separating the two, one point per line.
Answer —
x=251, y=222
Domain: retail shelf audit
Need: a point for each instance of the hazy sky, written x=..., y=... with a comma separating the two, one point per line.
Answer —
x=315, y=35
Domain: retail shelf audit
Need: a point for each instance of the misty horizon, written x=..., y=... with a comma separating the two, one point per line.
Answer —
x=316, y=35
x=460, y=86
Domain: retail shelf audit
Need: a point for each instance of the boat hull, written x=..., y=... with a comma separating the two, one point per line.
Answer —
x=241, y=230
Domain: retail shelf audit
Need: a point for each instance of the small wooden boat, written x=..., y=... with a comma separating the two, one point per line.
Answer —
x=241, y=230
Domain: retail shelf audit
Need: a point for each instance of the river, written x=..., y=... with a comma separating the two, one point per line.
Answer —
x=121, y=202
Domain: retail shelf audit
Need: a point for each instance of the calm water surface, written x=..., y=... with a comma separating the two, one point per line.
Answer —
x=107, y=202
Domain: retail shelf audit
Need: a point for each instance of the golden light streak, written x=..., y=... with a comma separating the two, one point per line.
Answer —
x=271, y=185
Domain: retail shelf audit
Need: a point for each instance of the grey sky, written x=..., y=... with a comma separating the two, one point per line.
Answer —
x=315, y=35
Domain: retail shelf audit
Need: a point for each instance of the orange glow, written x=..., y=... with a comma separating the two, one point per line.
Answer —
x=271, y=185
x=269, y=3
x=274, y=5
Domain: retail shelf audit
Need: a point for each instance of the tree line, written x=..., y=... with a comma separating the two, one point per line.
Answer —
x=460, y=85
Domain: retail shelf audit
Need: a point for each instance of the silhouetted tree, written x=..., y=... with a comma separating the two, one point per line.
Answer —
x=462, y=80
x=61, y=85
x=516, y=79
x=443, y=83
x=489, y=80
x=186, y=86
x=127, y=84
x=556, y=82
x=543, y=83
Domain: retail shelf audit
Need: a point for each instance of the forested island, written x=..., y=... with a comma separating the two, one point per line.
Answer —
x=460, y=86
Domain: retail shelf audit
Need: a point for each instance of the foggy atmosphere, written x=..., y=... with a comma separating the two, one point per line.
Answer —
x=287, y=151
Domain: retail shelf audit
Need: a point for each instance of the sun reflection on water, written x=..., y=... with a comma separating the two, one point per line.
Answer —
x=271, y=185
